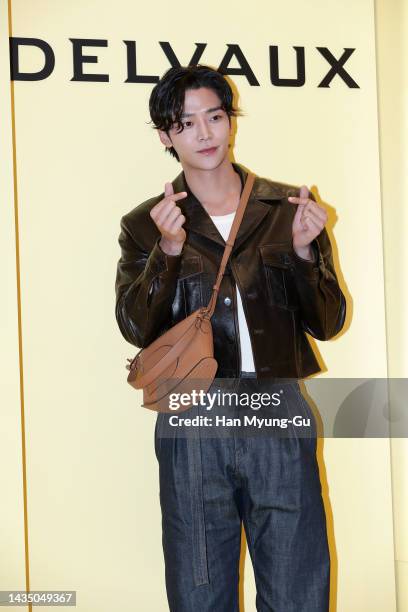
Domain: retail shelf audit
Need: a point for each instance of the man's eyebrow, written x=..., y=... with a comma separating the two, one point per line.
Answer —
x=209, y=110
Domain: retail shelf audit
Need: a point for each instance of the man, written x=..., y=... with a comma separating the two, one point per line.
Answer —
x=278, y=284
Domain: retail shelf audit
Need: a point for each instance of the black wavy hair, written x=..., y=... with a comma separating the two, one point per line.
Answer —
x=166, y=100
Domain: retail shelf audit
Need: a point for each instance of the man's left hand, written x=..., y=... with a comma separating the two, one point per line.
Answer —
x=309, y=220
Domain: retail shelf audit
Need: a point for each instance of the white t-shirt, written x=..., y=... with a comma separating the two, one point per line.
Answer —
x=223, y=224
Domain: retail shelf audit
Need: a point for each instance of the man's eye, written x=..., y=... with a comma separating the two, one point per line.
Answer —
x=187, y=124
x=216, y=117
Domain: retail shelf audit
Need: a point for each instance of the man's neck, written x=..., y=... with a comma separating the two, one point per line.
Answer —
x=217, y=190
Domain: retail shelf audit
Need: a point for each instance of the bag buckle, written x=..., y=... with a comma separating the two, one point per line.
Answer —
x=203, y=314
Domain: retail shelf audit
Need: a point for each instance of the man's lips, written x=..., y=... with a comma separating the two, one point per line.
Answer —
x=208, y=151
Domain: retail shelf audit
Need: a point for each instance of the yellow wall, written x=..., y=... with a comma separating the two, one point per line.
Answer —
x=392, y=32
x=84, y=155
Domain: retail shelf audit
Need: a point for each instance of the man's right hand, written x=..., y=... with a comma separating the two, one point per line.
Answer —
x=169, y=220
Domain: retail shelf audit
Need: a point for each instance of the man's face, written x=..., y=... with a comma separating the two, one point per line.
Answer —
x=203, y=143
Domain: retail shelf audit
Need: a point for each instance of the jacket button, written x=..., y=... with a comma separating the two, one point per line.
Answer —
x=227, y=301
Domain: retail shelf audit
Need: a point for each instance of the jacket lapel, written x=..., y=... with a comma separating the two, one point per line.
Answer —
x=263, y=194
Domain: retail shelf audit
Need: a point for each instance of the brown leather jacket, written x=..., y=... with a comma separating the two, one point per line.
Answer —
x=283, y=295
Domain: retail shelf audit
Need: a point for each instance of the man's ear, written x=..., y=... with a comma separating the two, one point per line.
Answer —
x=165, y=139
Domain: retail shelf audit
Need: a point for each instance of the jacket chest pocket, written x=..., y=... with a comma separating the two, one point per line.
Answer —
x=280, y=283
x=189, y=283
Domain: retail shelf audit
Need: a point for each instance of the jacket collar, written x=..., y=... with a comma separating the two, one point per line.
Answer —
x=264, y=193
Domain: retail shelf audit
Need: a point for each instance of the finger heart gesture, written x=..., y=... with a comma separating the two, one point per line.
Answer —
x=310, y=218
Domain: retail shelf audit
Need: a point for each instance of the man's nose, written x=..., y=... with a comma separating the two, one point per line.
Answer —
x=203, y=130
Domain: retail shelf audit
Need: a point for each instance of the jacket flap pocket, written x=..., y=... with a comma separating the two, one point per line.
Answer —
x=190, y=265
x=276, y=255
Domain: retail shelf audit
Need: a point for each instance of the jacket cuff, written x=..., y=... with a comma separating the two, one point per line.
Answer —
x=159, y=261
x=308, y=267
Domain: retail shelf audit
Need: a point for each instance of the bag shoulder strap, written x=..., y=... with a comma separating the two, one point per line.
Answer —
x=230, y=241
